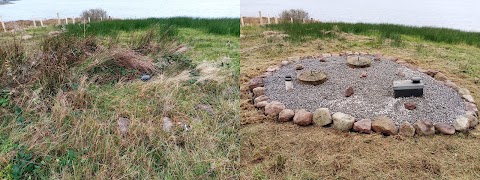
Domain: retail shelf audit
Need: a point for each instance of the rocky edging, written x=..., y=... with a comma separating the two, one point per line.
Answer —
x=381, y=124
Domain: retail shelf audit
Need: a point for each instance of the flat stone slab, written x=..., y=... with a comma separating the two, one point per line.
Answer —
x=312, y=77
x=358, y=61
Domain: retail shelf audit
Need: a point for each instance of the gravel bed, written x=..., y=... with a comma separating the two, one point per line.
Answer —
x=373, y=95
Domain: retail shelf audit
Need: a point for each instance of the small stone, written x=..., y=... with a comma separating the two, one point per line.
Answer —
x=358, y=62
x=472, y=120
x=322, y=59
x=284, y=63
x=303, y=117
x=377, y=57
x=410, y=105
x=461, y=124
x=401, y=74
x=167, y=124
x=27, y=37
x=406, y=129
x=299, y=67
x=444, y=128
x=255, y=82
x=53, y=33
x=424, y=127
x=272, y=68
x=258, y=91
x=286, y=115
x=145, y=77
x=327, y=55
x=322, y=116
x=312, y=77
x=261, y=104
x=431, y=72
x=274, y=108
x=349, y=53
x=469, y=98
x=384, y=125
x=343, y=122
x=349, y=91
x=440, y=77
x=463, y=91
x=260, y=99
x=364, y=74
x=123, y=124
x=363, y=126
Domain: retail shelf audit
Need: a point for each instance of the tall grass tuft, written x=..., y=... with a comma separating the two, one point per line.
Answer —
x=299, y=32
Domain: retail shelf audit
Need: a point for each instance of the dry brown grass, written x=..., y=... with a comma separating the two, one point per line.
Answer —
x=286, y=151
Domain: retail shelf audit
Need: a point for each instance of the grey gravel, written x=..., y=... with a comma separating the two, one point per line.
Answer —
x=373, y=94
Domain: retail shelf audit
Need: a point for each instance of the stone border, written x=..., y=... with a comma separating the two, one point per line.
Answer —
x=345, y=122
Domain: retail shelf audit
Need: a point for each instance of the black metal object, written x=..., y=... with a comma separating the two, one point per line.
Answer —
x=408, y=88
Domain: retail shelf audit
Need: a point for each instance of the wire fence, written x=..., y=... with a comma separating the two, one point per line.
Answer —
x=42, y=22
x=261, y=20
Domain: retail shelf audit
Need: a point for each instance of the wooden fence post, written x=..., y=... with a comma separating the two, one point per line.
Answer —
x=3, y=24
x=291, y=20
x=268, y=20
x=58, y=19
x=88, y=19
x=276, y=20
x=41, y=23
x=241, y=21
x=261, y=18
x=34, y=23
x=73, y=20
x=66, y=20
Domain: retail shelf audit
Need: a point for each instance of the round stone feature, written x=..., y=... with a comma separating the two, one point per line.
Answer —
x=358, y=61
x=312, y=77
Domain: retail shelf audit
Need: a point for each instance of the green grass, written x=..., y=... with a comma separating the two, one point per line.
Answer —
x=302, y=32
x=220, y=26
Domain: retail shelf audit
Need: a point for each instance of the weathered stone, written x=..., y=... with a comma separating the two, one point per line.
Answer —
x=272, y=68
x=444, y=128
x=424, y=127
x=461, y=124
x=323, y=59
x=299, y=67
x=440, y=77
x=349, y=91
x=255, y=82
x=261, y=104
x=123, y=124
x=286, y=115
x=363, y=126
x=303, y=117
x=322, y=116
x=463, y=91
x=406, y=129
x=358, y=62
x=274, y=108
x=312, y=77
x=432, y=72
x=384, y=125
x=260, y=99
x=452, y=85
x=284, y=63
x=472, y=120
x=27, y=37
x=343, y=122
x=401, y=74
x=377, y=57
x=327, y=55
x=470, y=107
x=469, y=98
x=410, y=105
x=364, y=74
x=258, y=91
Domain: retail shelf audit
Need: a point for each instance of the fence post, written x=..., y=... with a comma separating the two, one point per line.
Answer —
x=101, y=18
x=241, y=21
x=303, y=20
x=291, y=20
x=73, y=20
x=58, y=19
x=276, y=20
x=268, y=20
x=34, y=23
x=41, y=23
x=66, y=20
x=261, y=18
x=88, y=19
x=3, y=24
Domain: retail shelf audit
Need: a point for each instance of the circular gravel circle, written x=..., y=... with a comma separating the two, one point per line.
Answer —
x=373, y=95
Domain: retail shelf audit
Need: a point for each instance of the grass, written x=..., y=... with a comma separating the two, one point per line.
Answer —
x=321, y=30
x=272, y=150
x=59, y=121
